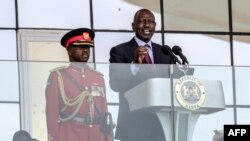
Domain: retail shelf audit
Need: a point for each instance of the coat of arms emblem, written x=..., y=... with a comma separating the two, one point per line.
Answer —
x=190, y=92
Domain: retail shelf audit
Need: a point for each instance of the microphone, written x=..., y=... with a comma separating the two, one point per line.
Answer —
x=167, y=50
x=178, y=51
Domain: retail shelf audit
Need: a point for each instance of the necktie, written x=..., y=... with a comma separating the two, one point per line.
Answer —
x=147, y=57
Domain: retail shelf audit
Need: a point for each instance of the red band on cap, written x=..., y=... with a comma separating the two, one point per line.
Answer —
x=78, y=38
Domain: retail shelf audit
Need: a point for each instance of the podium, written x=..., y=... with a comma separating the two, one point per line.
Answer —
x=155, y=95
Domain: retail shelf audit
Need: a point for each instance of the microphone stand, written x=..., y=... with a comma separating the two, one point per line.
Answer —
x=177, y=60
x=184, y=61
x=172, y=99
x=184, y=69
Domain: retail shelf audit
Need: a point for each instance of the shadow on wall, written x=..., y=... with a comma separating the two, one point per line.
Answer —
x=186, y=12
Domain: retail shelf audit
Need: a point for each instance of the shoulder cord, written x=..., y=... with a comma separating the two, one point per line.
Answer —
x=80, y=104
x=98, y=110
x=70, y=102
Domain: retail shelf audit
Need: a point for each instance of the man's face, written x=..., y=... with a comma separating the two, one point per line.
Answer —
x=78, y=53
x=144, y=25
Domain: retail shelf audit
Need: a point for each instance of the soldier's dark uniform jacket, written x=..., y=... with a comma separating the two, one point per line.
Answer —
x=76, y=105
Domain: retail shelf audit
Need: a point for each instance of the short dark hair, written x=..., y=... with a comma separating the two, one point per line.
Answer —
x=32, y=140
x=21, y=135
x=139, y=11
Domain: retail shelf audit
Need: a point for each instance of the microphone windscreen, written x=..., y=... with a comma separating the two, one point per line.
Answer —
x=166, y=49
x=176, y=49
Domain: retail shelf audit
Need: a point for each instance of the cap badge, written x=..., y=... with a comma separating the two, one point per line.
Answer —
x=86, y=36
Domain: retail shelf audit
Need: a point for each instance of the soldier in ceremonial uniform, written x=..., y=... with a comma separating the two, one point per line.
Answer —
x=76, y=105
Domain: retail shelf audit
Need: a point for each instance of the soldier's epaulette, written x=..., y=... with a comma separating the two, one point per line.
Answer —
x=98, y=72
x=59, y=68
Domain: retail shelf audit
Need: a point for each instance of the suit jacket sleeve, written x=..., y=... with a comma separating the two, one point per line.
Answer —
x=120, y=73
x=118, y=56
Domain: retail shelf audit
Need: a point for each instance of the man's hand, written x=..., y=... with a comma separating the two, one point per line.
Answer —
x=140, y=53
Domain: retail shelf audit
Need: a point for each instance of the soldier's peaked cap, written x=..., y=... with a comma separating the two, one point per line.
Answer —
x=78, y=37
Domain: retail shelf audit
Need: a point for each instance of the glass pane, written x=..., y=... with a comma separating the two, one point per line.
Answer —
x=43, y=45
x=48, y=94
x=241, y=15
x=114, y=110
x=206, y=124
x=53, y=50
x=196, y=15
x=105, y=41
x=242, y=81
x=138, y=100
x=8, y=45
x=241, y=49
x=200, y=98
x=120, y=14
x=197, y=47
x=143, y=92
x=223, y=74
x=243, y=115
x=54, y=14
x=10, y=120
x=113, y=96
x=9, y=81
x=7, y=20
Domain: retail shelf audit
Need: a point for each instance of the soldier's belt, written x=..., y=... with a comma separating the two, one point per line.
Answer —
x=87, y=119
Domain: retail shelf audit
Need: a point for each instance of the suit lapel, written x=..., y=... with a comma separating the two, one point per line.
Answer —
x=132, y=47
x=156, y=53
x=132, y=44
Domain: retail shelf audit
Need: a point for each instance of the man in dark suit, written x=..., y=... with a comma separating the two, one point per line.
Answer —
x=137, y=126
